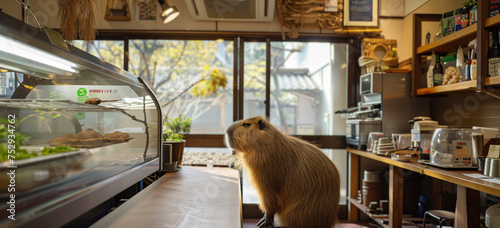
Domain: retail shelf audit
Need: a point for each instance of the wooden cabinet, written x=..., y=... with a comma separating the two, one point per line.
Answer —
x=468, y=185
x=452, y=41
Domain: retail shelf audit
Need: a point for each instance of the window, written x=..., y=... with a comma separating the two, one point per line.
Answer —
x=171, y=67
x=298, y=84
x=111, y=51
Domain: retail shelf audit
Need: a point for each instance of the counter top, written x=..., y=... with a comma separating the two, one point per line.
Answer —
x=449, y=175
x=192, y=197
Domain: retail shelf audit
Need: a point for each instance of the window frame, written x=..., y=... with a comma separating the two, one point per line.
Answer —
x=238, y=38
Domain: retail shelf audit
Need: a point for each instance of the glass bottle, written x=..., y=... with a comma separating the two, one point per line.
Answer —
x=494, y=54
x=438, y=71
x=494, y=50
x=473, y=65
x=467, y=65
x=439, y=34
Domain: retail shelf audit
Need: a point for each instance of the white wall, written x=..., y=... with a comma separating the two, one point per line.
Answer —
x=392, y=23
x=46, y=11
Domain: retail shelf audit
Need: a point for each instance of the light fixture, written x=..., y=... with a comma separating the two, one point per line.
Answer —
x=13, y=50
x=168, y=13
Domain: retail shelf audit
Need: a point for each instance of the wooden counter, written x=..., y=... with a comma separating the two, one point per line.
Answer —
x=192, y=197
x=468, y=188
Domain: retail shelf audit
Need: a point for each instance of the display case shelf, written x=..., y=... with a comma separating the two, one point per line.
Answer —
x=452, y=41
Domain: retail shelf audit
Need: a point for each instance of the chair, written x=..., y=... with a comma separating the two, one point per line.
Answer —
x=440, y=215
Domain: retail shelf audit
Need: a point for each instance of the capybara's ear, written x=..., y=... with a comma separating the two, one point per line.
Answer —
x=262, y=124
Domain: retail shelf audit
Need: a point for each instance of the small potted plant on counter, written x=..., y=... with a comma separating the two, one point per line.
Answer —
x=173, y=140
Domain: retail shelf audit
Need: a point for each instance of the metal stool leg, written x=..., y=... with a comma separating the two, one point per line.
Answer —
x=425, y=216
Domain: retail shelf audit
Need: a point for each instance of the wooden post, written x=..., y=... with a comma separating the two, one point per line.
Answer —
x=395, y=197
x=467, y=210
x=353, y=185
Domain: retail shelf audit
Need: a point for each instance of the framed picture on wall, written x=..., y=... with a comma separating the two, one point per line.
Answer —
x=362, y=13
x=146, y=10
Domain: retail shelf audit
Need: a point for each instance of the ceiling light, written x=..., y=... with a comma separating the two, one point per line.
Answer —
x=168, y=13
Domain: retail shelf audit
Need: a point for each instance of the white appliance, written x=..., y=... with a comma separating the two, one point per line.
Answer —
x=232, y=10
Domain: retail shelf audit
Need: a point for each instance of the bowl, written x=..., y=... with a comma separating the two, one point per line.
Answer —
x=400, y=157
x=384, y=140
x=372, y=138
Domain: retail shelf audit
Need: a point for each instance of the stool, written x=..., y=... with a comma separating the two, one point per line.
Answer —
x=439, y=215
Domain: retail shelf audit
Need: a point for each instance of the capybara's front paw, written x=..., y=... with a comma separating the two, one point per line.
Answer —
x=266, y=221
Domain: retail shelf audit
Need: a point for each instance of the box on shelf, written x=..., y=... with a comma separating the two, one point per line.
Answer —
x=448, y=22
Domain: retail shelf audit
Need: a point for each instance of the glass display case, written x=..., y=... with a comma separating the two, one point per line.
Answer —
x=75, y=130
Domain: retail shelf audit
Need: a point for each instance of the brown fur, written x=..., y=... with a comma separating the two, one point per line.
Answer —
x=294, y=179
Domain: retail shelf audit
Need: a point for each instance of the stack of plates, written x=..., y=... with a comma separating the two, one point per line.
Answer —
x=384, y=145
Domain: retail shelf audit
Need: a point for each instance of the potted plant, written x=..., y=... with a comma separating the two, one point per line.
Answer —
x=173, y=139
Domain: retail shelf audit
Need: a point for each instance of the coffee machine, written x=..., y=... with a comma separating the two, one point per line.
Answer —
x=386, y=106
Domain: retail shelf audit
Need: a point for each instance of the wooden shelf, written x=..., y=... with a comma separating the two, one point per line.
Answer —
x=492, y=21
x=449, y=175
x=381, y=220
x=363, y=208
x=456, y=87
x=452, y=41
x=492, y=80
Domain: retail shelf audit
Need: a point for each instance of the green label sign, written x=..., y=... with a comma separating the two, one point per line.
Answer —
x=81, y=92
x=82, y=95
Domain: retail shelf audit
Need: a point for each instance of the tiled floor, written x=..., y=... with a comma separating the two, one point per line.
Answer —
x=251, y=223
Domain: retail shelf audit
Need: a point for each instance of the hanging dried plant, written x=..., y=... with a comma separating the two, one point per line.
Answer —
x=77, y=19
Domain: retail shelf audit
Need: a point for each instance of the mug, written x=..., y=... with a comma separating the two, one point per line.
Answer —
x=477, y=147
x=495, y=167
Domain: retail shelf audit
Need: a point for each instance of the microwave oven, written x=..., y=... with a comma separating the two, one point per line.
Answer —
x=370, y=83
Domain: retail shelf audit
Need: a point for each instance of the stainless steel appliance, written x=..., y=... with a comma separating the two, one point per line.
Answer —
x=386, y=106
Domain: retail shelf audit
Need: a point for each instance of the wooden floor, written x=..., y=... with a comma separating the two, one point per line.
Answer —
x=251, y=223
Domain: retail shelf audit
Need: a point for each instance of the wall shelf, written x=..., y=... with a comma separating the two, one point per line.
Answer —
x=492, y=80
x=492, y=21
x=452, y=41
x=456, y=87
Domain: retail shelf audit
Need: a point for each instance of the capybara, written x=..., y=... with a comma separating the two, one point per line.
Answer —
x=294, y=179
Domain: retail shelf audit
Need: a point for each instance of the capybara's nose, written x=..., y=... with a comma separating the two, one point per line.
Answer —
x=229, y=132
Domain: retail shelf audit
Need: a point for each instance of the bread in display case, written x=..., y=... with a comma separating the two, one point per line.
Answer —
x=75, y=131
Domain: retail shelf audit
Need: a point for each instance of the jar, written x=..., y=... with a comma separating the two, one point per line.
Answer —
x=451, y=74
x=372, y=191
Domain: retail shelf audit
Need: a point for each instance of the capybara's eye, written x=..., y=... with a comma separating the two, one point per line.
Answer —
x=246, y=125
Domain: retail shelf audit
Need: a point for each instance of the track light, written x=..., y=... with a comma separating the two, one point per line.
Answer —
x=168, y=13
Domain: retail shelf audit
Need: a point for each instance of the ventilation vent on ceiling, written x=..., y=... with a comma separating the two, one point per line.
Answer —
x=232, y=10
